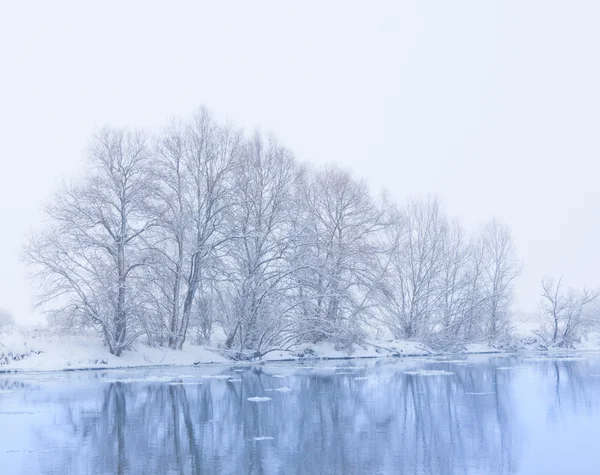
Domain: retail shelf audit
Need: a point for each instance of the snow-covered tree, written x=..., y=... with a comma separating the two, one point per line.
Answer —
x=499, y=268
x=412, y=286
x=90, y=260
x=339, y=279
x=259, y=257
x=195, y=165
x=566, y=312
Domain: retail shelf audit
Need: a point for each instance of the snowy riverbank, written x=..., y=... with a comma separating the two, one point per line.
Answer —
x=38, y=351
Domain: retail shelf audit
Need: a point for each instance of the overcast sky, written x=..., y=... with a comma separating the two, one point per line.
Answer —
x=492, y=105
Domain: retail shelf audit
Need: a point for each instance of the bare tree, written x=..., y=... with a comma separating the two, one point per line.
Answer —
x=259, y=256
x=567, y=311
x=472, y=326
x=170, y=238
x=89, y=261
x=340, y=237
x=199, y=163
x=457, y=280
x=412, y=288
x=499, y=268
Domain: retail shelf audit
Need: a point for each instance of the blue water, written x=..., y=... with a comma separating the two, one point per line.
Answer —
x=481, y=415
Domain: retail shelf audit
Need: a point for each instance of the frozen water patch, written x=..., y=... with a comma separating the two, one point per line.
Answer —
x=18, y=413
x=138, y=380
x=284, y=389
x=216, y=376
x=263, y=437
x=458, y=362
x=149, y=379
x=259, y=399
x=480, y=394
x=234, y=380
x=371, y=378
x=277, y=376
x=182, y=383
x=429, y=372
x=556, y=358
x=5, y=391
x=27, y=451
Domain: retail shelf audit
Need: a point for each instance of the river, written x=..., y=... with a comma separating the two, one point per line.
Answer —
x=477, y=415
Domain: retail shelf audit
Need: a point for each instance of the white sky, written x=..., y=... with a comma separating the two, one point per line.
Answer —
x=493, y=105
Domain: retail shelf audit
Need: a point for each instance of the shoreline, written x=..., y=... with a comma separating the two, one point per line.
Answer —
x=24, y=370
x=27, y=352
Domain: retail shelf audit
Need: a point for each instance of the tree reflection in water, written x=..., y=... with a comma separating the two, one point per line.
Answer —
x=374, y=420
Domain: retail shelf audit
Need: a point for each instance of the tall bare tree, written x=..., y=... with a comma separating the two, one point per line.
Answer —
x=341, y=235
x=412, y=285
x=89, y=261
x=500, y=267
x=259, y=254
x=456, y=282
x=199, y=160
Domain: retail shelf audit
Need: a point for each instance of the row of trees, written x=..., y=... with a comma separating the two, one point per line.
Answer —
x=201, y=228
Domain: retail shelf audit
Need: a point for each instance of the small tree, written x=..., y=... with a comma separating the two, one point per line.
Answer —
x=6, y=319
x=567, y=312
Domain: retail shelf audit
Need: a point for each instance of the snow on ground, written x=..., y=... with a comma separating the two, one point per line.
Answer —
x=479, y=348
x=590, y=342
x=26, y=350
x=40, y=352
x=22, y=350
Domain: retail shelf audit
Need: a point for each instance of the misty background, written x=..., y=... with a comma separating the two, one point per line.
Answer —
x=492, y=106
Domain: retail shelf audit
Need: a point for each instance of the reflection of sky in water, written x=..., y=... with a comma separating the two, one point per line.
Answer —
x=479, y=415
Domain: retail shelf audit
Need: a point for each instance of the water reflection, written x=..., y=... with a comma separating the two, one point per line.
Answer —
x=454, y=418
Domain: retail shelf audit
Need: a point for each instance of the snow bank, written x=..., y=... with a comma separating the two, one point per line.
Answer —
x=27, y=350
x=590, y=342
x=479, y=348
x=38, y=352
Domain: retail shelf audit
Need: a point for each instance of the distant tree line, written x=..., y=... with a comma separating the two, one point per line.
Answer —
x=200, y=227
